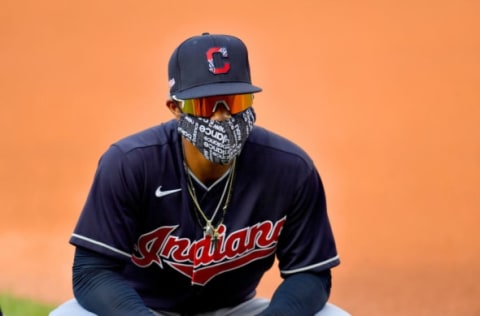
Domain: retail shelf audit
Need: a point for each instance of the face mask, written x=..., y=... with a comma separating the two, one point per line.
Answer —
x=218, y=141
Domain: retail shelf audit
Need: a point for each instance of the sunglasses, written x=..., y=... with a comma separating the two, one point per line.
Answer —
x=206, y=106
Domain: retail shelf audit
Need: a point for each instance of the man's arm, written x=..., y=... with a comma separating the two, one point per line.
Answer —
x=300, y=294
x=99, y=287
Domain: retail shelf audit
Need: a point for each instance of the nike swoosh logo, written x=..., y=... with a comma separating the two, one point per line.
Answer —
x=159, y=193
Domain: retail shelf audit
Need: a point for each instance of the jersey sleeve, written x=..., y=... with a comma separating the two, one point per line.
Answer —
x=109, y=219
x=307, y=242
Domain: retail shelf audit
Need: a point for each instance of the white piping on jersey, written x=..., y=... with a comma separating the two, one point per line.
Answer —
x=310, y=267
x=200, y=183
x=101, y=244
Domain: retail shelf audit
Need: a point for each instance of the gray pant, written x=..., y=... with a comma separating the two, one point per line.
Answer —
x=251, y=307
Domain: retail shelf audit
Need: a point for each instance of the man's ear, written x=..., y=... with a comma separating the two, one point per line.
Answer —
x=172, y=106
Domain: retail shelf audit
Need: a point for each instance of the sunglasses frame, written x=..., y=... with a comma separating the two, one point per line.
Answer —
x=182, y=102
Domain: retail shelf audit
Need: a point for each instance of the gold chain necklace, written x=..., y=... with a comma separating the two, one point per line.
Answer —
x=209, y=229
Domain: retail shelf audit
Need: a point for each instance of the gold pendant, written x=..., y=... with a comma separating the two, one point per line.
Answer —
x=213, y=234
x=209, y=230
x=215, y=238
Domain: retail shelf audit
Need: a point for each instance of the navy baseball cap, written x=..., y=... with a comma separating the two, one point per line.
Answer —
x=209, y=65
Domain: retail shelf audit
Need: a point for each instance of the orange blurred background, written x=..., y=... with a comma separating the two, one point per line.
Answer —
x=384, y=95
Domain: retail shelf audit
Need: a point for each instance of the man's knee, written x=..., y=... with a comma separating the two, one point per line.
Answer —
x=332, y=310
x=70, y=308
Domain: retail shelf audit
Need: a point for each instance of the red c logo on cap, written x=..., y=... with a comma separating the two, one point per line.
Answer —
x=211, y=65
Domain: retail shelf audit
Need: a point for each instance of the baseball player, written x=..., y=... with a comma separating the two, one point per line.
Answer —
x=184, y=218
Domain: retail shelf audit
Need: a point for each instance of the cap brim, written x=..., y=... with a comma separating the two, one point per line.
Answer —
x=217, y=89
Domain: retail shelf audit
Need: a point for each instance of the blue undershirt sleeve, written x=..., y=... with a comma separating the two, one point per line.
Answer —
x=99, y=288
x=300, y=294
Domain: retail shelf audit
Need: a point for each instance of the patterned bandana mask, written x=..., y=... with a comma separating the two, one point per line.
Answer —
x=218, y=141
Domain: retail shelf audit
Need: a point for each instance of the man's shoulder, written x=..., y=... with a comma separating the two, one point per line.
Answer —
x=267, y=142
x=155, y=136
x=263, y=137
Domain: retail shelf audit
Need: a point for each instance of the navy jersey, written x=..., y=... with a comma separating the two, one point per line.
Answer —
x=139, y=210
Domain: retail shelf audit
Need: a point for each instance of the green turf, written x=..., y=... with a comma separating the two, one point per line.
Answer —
x=14, y=306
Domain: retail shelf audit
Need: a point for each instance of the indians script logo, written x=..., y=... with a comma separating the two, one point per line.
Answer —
x=211, y=65
x=200, y=261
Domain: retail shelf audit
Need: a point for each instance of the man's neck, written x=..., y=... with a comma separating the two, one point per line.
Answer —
x=203, y=169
